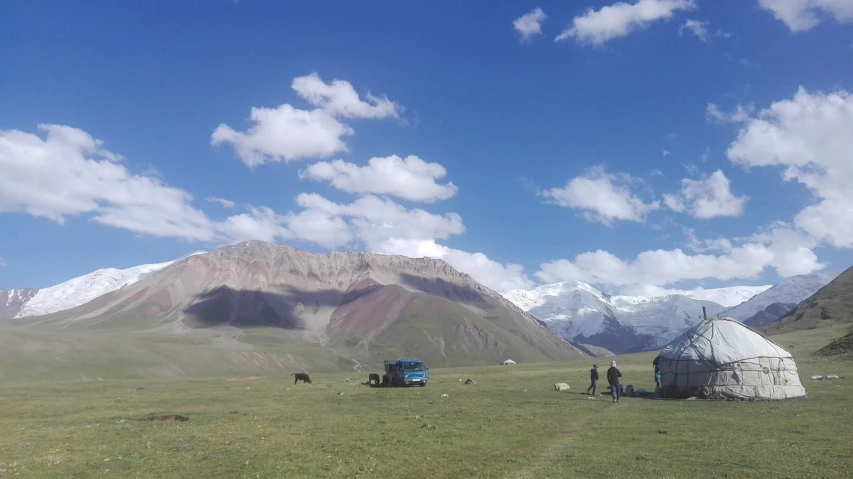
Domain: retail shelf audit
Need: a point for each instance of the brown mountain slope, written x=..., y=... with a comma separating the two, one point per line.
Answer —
x=364, y=305
x=830, y=306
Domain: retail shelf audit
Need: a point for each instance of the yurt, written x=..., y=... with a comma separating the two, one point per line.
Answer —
x=508, y=362
x=721, y=358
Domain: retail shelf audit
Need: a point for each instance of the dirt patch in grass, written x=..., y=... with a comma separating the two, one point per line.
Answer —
x=168, y=418
x=243, y=378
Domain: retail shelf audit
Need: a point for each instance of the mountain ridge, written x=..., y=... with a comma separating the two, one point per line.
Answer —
x=360, y=305
x=582, y=314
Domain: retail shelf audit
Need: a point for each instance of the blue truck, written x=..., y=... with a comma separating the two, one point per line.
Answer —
x=405, y=372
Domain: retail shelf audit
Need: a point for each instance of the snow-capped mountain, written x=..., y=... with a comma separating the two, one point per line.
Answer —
x=12, y=300
x=793, y=289
x=583, y=314
x=79, y=290
x=728, y=297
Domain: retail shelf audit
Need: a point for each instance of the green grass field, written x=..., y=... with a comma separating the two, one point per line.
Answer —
x=511, y=424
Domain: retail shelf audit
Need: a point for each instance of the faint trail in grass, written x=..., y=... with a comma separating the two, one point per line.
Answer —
x=557, y=445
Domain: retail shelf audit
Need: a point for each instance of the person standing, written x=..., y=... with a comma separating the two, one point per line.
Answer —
x=593, y=378
x=613, y=376
x=657, y=376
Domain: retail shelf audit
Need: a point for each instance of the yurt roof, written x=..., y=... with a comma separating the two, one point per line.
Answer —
x=722, y=341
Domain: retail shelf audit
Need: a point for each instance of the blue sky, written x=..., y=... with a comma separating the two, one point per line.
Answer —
x=655, y=144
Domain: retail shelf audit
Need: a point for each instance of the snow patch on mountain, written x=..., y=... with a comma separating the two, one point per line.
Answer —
x=793, y=289
x=82, y=289
x=728, y=297
x=579, y=312
x=573, y=307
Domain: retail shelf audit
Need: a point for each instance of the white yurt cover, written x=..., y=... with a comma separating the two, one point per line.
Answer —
x=722, y=358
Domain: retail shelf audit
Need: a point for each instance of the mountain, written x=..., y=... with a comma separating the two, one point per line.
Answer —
x=583, y=314
x=12, y=300
x=768, y=315
x=294, y=306
x=729, y=296
x=793, y=289
x=829, y=306
x=74, y=292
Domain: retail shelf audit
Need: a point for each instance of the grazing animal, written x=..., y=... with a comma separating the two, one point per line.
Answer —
x=301, y=377
x=373, y=379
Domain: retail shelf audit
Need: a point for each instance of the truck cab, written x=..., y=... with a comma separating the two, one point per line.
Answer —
x=406, y=372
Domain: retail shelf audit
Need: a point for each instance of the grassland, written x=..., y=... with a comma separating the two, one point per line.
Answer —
x=512, y=424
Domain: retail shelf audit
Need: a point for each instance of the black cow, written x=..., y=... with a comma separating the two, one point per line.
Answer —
x=373, y=379
x=301, y=377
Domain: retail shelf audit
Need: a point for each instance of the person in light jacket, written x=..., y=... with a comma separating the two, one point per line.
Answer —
x=613, y=376
x=657, y=376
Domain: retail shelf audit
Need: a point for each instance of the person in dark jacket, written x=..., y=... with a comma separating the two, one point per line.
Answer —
x=613, y=376
x=593, y=378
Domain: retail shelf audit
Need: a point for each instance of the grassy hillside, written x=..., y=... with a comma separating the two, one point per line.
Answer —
x=511, y=424
x=830, y=307
x=840, y=346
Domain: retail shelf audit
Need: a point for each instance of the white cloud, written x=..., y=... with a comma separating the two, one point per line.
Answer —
x=802, y=15
x=286, y=133
x=740, y=115
x=602, y=196
x=260, y=223
x=68, y=173
x=530, y=24
x=2, y=262
x=221, y=202
x=708, y=197
x=658, y=267
x=372, y=220
x=811, y=137
x=500, y=277
x=779, y=247
x=700, y=29
x=792, y=251
x=340, y=99
x=618, y=20
x=666, y=153
x=411, y=178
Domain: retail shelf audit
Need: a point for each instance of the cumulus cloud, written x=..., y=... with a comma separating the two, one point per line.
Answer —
x=779, y=247
x=597, y=27
x=658, y=267
x=603, y=197
x=340, y=99
x=286, y=133
x=708, y=197
x=500, y=277
x=802, y=15
x=530, y=24
x=409, y=178
x=810, y=137
x=375, y=220
x=69, y=173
